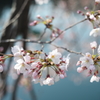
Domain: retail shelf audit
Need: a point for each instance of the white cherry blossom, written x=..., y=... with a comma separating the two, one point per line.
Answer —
x=99, y=50
x=92, y=17
x=21, y=66
x=95, y=32
x=93, y=45
x=97, y=1
x=55, y=56
x=40, y=2
x=17, y=52
x=49, y=81
x=86, y=61
x=94, y=78
x=65, y=65
x=80, y=69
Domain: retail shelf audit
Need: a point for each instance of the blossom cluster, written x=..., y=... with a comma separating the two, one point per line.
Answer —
x=48, y=23
x=90, y=63
x=42, y=68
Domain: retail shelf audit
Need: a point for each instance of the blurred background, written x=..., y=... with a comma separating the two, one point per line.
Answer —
x=75, y=86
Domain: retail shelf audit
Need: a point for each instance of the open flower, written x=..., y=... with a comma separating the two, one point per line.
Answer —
x=21, y=66
x=55, y=56
x=40, y=2
x=94, y=78
x=97, y=1
x=86, y=61
x=93, y=45
x=17, y=52
x=49, y=81
x=95, y=32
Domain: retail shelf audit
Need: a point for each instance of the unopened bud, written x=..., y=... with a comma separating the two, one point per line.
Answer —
x=86, y=8
x=79, y=11
x=79, y=69
x=52, y=17
x=78, y=63
x=33, y=23
x=38, y=16
x=82, y=14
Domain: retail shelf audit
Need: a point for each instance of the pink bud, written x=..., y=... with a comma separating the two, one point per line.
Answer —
x=33, y=23
x=78, y=63
x=82, y=14
x=86, y=8
x=79, y=69
x=79, y=11
x=38, y=16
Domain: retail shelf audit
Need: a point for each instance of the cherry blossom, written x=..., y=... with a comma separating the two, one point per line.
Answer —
x=17, y=52
x=45, y=69
x=90, y=63
x=99, y=50
x=55, y=56
x=49, y=81
x=21, y=66
x=86, y=60
x=93, y=45
x=94, y=78
x=97, y=1
x=95, y=32
x=40, y=2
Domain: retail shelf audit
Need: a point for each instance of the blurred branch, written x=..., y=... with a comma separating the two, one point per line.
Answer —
x=16, y=16
x=16, y=87
x=32, y=93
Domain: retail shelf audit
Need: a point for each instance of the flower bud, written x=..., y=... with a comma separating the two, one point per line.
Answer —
x=79, y=11
x=38, y=16
x=33, y=23
x=93, y=45
x=79, y=69
x=86, y=8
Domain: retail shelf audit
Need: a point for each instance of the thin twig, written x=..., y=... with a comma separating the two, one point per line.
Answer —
x=67, y=29
x=42, y=34
x=78, y=53
x=40, y=42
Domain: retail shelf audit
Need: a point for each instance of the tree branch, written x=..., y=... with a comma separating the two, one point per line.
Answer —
x=66, y=49
x=16, y=16
x=68, y=28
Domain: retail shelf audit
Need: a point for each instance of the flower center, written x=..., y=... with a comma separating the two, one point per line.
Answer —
x=52, y=56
